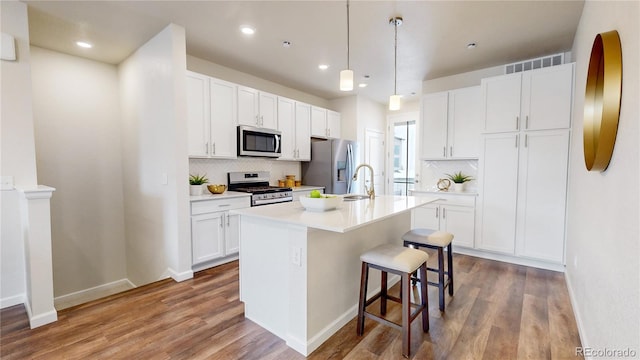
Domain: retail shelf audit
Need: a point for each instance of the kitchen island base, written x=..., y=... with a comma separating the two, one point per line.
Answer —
x=302, y=283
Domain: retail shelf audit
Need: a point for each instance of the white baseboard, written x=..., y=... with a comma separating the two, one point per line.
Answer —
x=576, y=313
x=509, y=259
x=213, y=263
x=40, y=319
x=13, y=300
x=178, y=277
x=94, y=293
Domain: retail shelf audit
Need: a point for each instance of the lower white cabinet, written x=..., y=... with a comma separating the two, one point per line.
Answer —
x=456, y=215
x=215, y=234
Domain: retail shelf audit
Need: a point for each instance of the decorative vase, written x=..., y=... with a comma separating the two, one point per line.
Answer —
x=195, y=190
x=459, y=187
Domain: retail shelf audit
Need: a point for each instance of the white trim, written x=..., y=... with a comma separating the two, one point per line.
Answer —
x=41, y=319
x=13, y=300
x=574, y=304
x=179, y=277
x=213, y=263
x=93, y=293
x=509, y=259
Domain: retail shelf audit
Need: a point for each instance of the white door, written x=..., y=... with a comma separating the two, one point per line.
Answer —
x=286, y=125
x=303, y=131
x=374, y=156
x=198, y=114
x=498, y=175
x=268, y=109
x=501, y=103
x=542, y=194
x=232, y=234
x=207, y=233
x=458, y=220
x=318, y=122
x=333, y=124
x=434, y=125
x=223, y=119
x=546, y=97
x=465, y=122
x=403, y=161
x=248, y=103
x=426, y=217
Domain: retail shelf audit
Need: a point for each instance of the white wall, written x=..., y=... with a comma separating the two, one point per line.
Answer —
x=17, y=150
x=603, y=266
x=471, y=78
x=155, y=160
x=78, y=130
x=235, y=76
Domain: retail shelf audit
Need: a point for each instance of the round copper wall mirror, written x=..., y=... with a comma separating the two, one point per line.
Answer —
x=602, y=100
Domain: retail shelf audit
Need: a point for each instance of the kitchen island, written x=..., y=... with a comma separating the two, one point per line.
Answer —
x=300, y=270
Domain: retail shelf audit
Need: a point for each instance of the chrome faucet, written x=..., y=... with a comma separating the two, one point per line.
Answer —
x=370, y=191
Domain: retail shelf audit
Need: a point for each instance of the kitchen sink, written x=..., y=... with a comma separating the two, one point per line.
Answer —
x=355, y=197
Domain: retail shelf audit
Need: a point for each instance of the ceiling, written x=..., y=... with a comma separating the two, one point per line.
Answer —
x=432, y=41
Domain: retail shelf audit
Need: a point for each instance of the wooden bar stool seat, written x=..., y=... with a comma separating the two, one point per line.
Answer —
x=437, y=240
x=402, y=261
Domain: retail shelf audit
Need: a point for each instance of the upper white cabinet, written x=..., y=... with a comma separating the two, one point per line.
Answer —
x=532, y=100
x=451, y=123
x=325, y=123
x=257, y=108
x=294, y=121
x=211, y=116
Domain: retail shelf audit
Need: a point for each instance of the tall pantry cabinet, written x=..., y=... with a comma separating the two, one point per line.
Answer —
x=523, y=163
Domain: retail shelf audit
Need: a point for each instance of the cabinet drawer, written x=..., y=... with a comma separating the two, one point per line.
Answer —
x=207, y=206
x=458, y=200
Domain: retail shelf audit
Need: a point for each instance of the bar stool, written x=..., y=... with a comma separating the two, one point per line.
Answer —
x=437, y=240
x=402, y=261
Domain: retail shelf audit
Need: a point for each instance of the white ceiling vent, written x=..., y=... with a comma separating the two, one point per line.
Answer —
x=542, y=62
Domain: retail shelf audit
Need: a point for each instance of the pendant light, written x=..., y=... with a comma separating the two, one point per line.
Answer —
x=346, y=76
x=394, y=100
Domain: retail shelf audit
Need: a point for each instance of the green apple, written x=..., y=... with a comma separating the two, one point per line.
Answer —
x=315, y=194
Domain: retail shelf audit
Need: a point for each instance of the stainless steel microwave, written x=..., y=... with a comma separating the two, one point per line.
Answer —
x=258, y=142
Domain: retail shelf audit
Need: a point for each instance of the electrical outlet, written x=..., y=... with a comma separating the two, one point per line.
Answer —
x=296, y=256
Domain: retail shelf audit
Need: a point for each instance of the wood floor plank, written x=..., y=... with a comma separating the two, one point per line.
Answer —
x=498, y=311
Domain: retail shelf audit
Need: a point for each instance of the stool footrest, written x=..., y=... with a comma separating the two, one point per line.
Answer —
x=412, y=317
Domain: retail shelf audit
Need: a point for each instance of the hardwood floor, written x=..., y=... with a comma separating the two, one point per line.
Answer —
x=499, y=311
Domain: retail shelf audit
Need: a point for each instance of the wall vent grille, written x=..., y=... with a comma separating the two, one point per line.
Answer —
x=542, y=62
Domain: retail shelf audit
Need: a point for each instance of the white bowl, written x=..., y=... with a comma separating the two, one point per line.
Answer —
x=321, y=204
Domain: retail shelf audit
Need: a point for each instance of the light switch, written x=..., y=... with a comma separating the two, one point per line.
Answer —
x=164, y=179
x=296, y=256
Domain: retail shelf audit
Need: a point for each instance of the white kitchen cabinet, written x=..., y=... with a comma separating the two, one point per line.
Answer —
x=214, y=232
x=531, y=100
x=542, y=194
x=456, y=215
x=211, y=117
x=294, y=122
x=498, y=189
x=325, y=123
x=523, y=182
x=257, y=108
x=451, y=122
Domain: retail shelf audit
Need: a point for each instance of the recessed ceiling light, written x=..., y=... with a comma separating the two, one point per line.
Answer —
x=286, y=44
x=362, y=85
x=323, y=67
x=471, y=45
x=84, y=44
x=247, y=30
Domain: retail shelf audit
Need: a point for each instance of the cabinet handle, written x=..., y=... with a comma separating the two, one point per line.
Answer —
x=224, y=205
x=213, y=149
x=437, y=211
x=517, y=140
x=221, y=223
x=517, y=122
x=444, y=151
x=257, y=120
x=526, y=122
x=261, y=120
x=450, y=150
x=444, y=213
x=228, y=224
x=526, y=140
x=206, y=147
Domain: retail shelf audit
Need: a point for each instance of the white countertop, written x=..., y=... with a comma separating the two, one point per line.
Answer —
x=348, y=216
x=225, y=195
x=439, y=192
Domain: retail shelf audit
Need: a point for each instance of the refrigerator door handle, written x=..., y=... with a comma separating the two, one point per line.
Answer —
x=349, y=168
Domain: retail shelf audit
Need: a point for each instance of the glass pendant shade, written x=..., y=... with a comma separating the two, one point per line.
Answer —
x=346, y=80
x=394, y=102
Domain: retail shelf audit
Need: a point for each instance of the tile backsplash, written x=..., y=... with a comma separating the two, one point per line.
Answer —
x=217, y=169
x=433, y=170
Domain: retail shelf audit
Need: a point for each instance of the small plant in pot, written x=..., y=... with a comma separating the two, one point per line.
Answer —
x=196, y=182
x=459, y=180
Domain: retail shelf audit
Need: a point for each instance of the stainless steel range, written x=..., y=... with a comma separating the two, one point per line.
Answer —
x=257, y=184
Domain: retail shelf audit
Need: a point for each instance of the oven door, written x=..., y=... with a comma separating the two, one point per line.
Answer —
x=258, y=142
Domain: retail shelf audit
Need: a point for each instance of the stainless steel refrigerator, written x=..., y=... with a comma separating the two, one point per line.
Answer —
x=332, y=164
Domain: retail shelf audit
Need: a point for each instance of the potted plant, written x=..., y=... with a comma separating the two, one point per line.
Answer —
x=196, y=182
x=459, y=179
